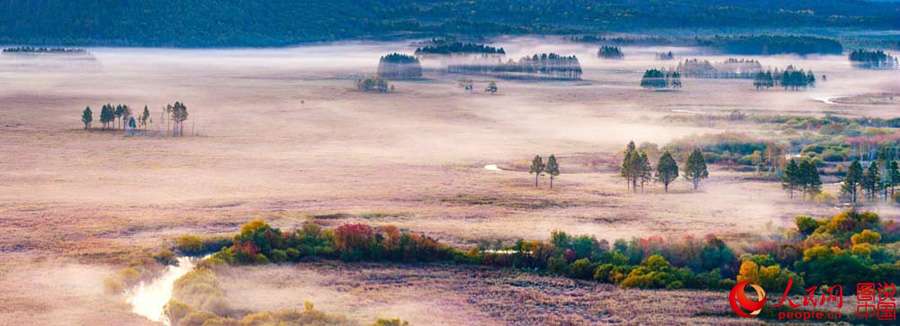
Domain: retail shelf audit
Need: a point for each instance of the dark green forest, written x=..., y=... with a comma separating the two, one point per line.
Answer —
x=201, y=23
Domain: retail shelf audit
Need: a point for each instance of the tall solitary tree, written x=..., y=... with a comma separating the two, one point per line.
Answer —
x=790, y=180
x=86, y=117
x=627, y=170
x=852, y=181
x=666, y=170
x=552, y=168
x=695, y=168
x=537, y=167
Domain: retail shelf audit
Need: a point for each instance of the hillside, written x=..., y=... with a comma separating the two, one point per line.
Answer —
x=202, y=23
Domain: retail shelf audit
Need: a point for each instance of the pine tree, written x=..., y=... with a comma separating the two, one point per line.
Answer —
x=145, y=117
x=107, y=115
x=627, y=171
x=552, y=168
x=118, y=112
x=537, y=167
x=791, y=178
x=666, y=170
x=871, y=180
x=812, y=183
x=894, y=176
x=852, y=181
x=645, y=172
x=695, y=168
x=86, y=117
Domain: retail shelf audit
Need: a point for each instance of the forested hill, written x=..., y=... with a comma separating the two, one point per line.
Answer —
x=199, y=23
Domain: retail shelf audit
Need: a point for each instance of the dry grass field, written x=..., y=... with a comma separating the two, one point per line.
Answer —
x=283, y=135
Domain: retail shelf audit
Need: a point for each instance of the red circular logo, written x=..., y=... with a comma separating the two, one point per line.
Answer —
x=739, y=301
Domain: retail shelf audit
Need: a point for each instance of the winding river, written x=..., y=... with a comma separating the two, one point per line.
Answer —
x=148, y=299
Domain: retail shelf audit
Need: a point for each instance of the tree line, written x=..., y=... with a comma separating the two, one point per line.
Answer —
x=121, y=117
x=610, y=52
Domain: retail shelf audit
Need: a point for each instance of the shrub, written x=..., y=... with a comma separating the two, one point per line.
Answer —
x=279, y=256
x=826, y=198
x=292, y=254
x=190, y=244
x=113, y=285
x=390, y=322
x=866, y=236
x=582, y=269
x=806, y=225
x=261, y=259
x=165, y=256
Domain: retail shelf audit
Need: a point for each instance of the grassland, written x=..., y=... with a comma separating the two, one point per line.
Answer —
x=76, y=205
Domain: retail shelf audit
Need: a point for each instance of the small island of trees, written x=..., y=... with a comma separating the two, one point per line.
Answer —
x=374, y=84
x=399, y=66
x=665, y=56
x=873, y=60
x=661, y=79
x=121, y=117
x=552, y=65
x=610, y=52
x=790, y=78
x=730, y=68
x=448, y=48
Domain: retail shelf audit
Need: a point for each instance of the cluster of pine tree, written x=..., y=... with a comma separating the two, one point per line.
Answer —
x=659, y=79
x=399, y=66
x=873, y=59
x=636, y=168
x=610, y=52
x=446, y=48
x=790, y=78
x=122, y=117
x=538, y=168
x=878, y=180
x=730, y=68
x=374, y=84
x=803, y=176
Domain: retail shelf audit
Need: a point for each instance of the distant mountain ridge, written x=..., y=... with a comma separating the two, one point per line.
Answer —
x=206, y=23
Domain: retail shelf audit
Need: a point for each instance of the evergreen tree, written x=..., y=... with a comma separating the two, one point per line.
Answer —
x=852, y=181
x=871, y=180
x=552, y=168
x=118, y=112
x=695, y=168
x=537, y=167
x=666, y=170
x=86, y=117
x=627, y=171
x=107, y=115
x=145, y=117
x=894, y=176
x=645, y=172
x=810, y=180
x=790, y=180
